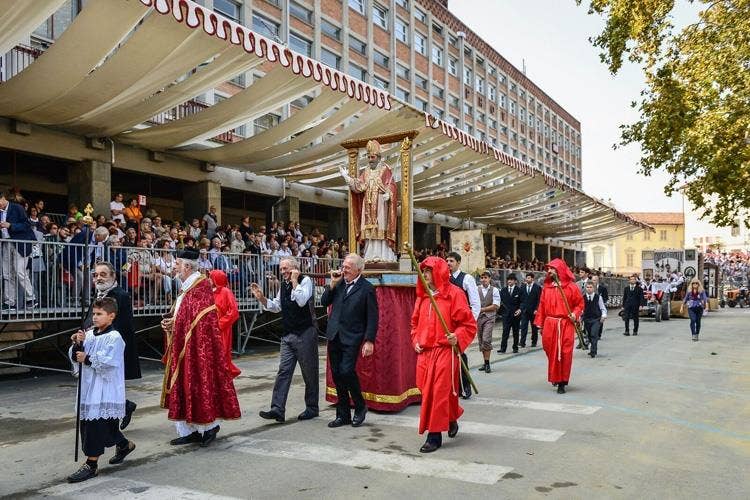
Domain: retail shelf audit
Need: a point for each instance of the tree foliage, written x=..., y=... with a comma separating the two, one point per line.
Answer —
x=695, y=110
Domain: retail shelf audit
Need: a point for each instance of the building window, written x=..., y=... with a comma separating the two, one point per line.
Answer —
x=357, y=72
x=512, y=108
x=403, y=3
x=266, y=122
x=493, y=124
x=454, y=120
x=402, y=31
x=357, y=46
x=492, y=95
x=358, y=5
x=629, y=237
x=420, y=104
x=300, y=12
x=420, y=43
x=300, y=45
x=266, y=27
x=437, y=55
x=402, y=94
x=402, y=71
x=452, y=40
x=380, y=83
x=438, y=92
x=420, y=16
x=330, y=30
x=453, y=100
x=468, y=76
x=501, y=78
x=380, y=16
x=503, y=101
x=491, y=70
x=228, y=8
x=329, y=58
x=452, y=66
x=647, y=235
x=420, y=82
x=380, y=59
x=480, y=85
x=663, y=235
x=629, y=259
x=468, y=109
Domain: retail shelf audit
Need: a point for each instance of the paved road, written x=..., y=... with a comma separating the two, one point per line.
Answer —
x=654, y=416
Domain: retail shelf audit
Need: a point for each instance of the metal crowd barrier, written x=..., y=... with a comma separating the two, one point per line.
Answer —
x=44, y=281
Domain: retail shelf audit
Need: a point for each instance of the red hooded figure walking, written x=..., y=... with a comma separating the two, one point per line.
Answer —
x=557, y=324
x=438, y=365
x=228, y=312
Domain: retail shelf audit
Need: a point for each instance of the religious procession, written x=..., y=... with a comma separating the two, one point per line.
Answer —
x=197, y=197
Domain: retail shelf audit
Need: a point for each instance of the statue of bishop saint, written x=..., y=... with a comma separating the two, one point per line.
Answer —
x=375, y=200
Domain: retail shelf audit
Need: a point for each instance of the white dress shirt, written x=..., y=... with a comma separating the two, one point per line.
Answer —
x=300, y=294
x=470, y=287
x=3, y=217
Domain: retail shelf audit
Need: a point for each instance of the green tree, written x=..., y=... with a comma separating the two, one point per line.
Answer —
x=695, y=110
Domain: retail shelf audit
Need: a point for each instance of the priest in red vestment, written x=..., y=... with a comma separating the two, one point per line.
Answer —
x=197, y=389
x=438, y=364
x=226, y=307
x=557, y=323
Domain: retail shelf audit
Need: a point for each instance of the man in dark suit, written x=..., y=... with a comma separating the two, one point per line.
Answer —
x=15, y=225
x=530, y=293
x=510, y=296
x=352, y=326
x=603, y=293
x=632, y=299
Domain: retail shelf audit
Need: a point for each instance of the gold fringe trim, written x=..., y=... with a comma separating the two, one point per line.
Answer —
x=381, y=398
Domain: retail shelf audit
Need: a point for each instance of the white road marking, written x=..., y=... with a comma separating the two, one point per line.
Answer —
x=530, y=433
x=456, y=470
x=120, y=488
x=533, y=405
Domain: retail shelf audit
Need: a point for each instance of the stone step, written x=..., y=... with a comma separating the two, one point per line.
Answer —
x=14, y=336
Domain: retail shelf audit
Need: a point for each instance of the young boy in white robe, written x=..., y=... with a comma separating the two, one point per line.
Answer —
x=99, y=352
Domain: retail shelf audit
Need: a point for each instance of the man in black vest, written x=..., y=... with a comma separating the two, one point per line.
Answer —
x=530, y=293
x=632, y=299
x=594, y=314
x=468, y=284
x=105, y=282
x=510, y=296
x=351, y=330
x=299, y=343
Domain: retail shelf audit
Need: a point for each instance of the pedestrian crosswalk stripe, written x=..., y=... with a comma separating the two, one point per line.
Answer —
x=530, y=433
x=534, y=405
x=457, y=470
x=120, y=488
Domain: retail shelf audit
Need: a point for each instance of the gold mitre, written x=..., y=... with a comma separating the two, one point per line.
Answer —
x=373, y=147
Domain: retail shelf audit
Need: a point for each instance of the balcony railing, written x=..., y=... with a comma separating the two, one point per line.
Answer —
x=189, y=108
x=17, y=60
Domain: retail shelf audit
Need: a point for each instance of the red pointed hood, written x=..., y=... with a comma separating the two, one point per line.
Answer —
x=219, y=278
x=440, y=275
x=563, y=272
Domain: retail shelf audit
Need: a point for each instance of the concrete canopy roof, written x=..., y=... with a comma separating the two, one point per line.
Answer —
x=120, y=63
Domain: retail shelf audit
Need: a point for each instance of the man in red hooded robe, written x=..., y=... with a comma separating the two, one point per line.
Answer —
x=197, y=389
x=438, y=363
x=557, y=321
x=228, y=312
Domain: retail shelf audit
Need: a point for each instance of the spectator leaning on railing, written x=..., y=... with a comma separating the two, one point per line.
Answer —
x=14, y=224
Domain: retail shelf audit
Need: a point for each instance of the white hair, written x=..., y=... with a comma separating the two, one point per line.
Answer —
x=192, y=263
x=293, y=263
x=358, y=261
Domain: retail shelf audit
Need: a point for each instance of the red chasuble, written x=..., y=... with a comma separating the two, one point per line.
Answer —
x=197, y=388
x=226, y=308
x=558, y=331
x=438, y=366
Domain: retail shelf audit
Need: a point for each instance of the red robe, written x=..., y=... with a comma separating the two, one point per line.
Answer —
x=558, y=331
x=197, y=388
x=226, y=308
x=438, y=366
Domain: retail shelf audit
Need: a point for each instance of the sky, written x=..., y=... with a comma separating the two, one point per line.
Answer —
x=552, y=37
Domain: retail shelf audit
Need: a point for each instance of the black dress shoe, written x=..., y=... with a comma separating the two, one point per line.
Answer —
x=195, y=437
x=635, y=333
x=500, y=351
x=561, y=388
x=120, y=454
x=271, y=415
x=482, y=368
x=338, y=422
x=487, y=369
x=452, y=429
x=515, y=351
x=209, y=436
x=307, y=414
x=129, y=409
x=592, y=354
x=429, y=447
x=82, y=474
x=359, y=417
x=627, y=334
x=533, y=344
x=522, y=345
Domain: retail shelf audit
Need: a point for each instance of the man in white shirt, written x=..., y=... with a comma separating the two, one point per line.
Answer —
x=468, y=284
x=593, y=317
x=489, y=298
x=294, y=301
x=116, y=208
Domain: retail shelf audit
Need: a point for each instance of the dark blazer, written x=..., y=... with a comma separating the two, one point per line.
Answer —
x=353, y=316
x=603, y=293
x=20, y=227
x=632, y=300
x=510, y=303
x=530, y=301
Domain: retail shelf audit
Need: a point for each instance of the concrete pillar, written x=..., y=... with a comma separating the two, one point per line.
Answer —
x=91, y=182
x=515, y=249
x=287, y=210
x=199, y=196
x=337, y=223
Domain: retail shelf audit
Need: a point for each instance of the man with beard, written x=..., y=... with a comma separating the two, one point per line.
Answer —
x=556, y=316
x=106, y=285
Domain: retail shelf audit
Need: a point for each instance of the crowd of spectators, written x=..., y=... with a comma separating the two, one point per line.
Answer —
x=733, y=265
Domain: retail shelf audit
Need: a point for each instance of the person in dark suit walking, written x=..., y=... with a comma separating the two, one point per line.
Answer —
x=15, y=225
x=530, y=293
x=632, y=299
x=510, y=296
x=603, y=292
x=351, y=330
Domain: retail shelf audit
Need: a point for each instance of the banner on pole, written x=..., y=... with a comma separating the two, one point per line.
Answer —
x=469, y=244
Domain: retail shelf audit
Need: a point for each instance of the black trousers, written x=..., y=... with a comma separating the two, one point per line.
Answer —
x=631, y=314
x=302, y=348
x=592, y=327
x=527, y=319
x=343, y=360
x=510, y=322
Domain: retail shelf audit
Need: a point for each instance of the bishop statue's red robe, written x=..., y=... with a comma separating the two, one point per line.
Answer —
x=558, y=331
x=439, y=366
x=197, y=387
